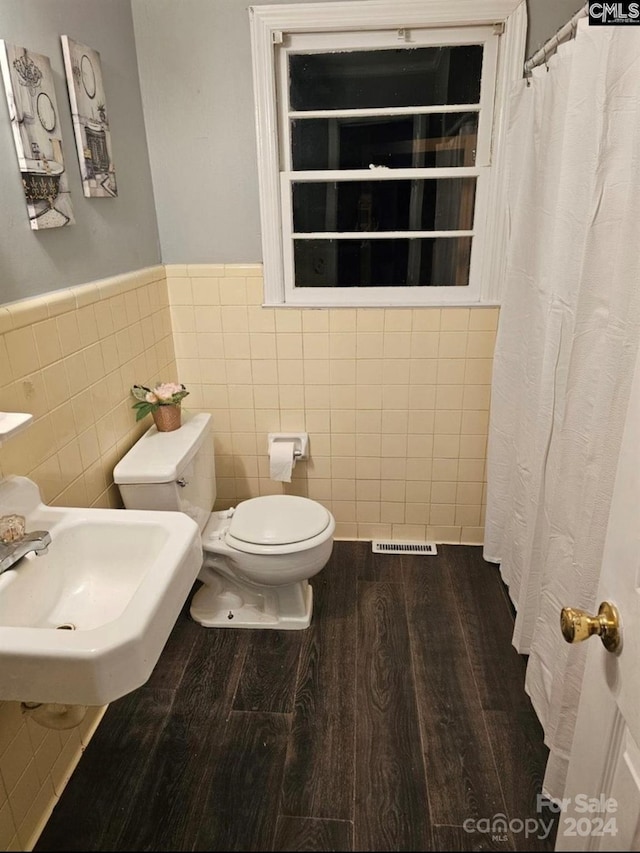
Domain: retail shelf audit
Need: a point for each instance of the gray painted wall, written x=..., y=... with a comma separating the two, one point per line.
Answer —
x=109, y=236
x=545, y=19
x=195, y=71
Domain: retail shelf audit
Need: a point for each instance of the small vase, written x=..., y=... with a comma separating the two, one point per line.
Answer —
x=167, y=418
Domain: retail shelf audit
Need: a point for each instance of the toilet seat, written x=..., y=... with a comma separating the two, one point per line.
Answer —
x=277, y=520
x=277, y=524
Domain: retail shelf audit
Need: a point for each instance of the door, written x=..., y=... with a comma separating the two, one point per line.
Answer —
x=601, y=804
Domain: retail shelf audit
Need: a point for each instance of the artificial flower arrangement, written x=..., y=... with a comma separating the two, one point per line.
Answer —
x=150, y=399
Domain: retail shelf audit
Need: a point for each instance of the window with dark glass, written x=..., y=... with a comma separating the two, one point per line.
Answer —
x=382, y=150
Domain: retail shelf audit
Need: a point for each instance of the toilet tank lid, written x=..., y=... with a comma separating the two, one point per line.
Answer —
x=278, y=520
x=161, y=457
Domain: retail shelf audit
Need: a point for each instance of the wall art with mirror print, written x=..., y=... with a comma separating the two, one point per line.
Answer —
x=83, y=69
x=35, y=122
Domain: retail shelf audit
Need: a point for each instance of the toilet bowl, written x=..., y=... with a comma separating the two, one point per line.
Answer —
x=258, y=556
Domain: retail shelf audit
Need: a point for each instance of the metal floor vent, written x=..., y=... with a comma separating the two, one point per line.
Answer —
x=380, y=547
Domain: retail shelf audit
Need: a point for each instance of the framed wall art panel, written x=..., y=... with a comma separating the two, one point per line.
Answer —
x=35, y=123
x=83, y=69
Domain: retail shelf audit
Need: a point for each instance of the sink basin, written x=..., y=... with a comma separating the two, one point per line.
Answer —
x=85, y=622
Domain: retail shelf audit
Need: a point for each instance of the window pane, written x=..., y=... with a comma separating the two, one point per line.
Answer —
x=401, y=77
x=398, y=142
x=440, y=261
x=443, y=204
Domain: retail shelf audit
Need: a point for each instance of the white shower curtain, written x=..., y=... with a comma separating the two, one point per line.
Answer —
x=567, y=339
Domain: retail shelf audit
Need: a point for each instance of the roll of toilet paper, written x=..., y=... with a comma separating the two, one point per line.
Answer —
x=281, y=461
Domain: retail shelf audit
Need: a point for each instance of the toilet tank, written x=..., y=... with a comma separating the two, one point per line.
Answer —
x=171, y=470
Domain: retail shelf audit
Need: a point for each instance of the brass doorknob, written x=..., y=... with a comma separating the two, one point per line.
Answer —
x=576, y=625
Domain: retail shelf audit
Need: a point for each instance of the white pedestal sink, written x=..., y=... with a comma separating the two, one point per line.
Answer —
x=85, y=622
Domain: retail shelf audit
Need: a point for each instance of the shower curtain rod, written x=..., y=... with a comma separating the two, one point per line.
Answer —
x=549, y=47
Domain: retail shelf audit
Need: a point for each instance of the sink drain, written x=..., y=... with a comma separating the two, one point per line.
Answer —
x=66, y=626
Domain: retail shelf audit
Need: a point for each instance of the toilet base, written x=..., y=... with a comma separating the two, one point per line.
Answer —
x=224, y=604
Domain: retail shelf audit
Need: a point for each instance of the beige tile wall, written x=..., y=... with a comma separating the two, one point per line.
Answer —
x=70, y=358
x=395, y=401
x=35, y=766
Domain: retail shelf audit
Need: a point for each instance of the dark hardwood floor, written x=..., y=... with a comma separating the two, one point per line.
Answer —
x=397, y=721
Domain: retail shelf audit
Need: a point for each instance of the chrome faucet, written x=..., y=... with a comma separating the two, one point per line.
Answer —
x=11, y=552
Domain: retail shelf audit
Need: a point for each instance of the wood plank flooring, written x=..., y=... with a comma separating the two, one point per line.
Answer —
x=397, y=721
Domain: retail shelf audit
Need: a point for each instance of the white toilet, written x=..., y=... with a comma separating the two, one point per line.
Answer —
x=258, y=557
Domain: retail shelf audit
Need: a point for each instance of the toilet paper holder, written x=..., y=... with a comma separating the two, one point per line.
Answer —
x=300, y=442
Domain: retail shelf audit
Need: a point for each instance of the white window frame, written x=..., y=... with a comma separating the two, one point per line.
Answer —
x=271, y=26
